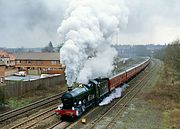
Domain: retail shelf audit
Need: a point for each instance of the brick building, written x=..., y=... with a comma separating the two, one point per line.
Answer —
x=38, y=62
x=2, y=71
x=7, y=58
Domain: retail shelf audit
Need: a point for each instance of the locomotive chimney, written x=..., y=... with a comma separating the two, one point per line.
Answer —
x=69, y=88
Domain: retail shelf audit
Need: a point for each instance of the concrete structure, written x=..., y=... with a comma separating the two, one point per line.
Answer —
x=38, y=62
x=2, y=72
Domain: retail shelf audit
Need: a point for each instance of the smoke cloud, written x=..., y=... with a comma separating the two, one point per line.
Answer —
x=87, y=31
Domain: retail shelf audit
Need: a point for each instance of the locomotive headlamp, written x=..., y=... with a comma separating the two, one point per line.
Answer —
x=72, y=108
x=60, y=107
x=77, y=113
x=80, y=85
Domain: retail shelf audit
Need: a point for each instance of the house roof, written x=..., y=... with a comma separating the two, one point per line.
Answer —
x=12, y=57
x=37, y=56
x=4, y=54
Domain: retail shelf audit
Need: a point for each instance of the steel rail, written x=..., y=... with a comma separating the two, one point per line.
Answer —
x=63, y=125
x=124, y=105
x=30, y=107
x=73, y=124
x=54, y=125
x=124, y=97
x=34, y=117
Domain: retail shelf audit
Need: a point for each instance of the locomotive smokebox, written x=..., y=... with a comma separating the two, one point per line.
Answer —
x=69, y=88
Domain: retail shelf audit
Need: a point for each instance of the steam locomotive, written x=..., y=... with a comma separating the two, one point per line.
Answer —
x=80, y=99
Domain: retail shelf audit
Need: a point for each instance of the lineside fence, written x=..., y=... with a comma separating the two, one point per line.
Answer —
x=19, y=88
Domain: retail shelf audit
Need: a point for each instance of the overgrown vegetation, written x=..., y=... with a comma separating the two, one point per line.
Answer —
x=169, y=85
x=166, y=95
x=1, y=98
x=170, y=55
x=17, y=103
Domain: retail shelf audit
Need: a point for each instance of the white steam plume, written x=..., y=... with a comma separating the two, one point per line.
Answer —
x=115, y=94
x=87, y=29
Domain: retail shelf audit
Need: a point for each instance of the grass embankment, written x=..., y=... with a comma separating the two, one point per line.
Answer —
x=31, y=96
x=166, y=96
x=167, y=92
x=157, y=105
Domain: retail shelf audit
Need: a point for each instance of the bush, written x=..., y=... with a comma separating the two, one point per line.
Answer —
x=1, y=98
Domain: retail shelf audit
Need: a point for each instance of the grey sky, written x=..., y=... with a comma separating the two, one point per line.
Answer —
x=33, y=23
x=153, y=21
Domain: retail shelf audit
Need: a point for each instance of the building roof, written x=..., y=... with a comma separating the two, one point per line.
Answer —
x=37, y=56
x=11, y=57
x=4, y=54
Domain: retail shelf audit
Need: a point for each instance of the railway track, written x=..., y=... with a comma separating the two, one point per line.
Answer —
x=60, y=125
x=107, y=119
x=120, y=104
x=32, y=121
x=17, y=112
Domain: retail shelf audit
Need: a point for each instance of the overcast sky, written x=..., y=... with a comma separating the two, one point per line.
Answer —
x=33, y=23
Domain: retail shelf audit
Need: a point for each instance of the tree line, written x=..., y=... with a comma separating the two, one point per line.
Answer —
x=170, y=55
x=51, y=48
